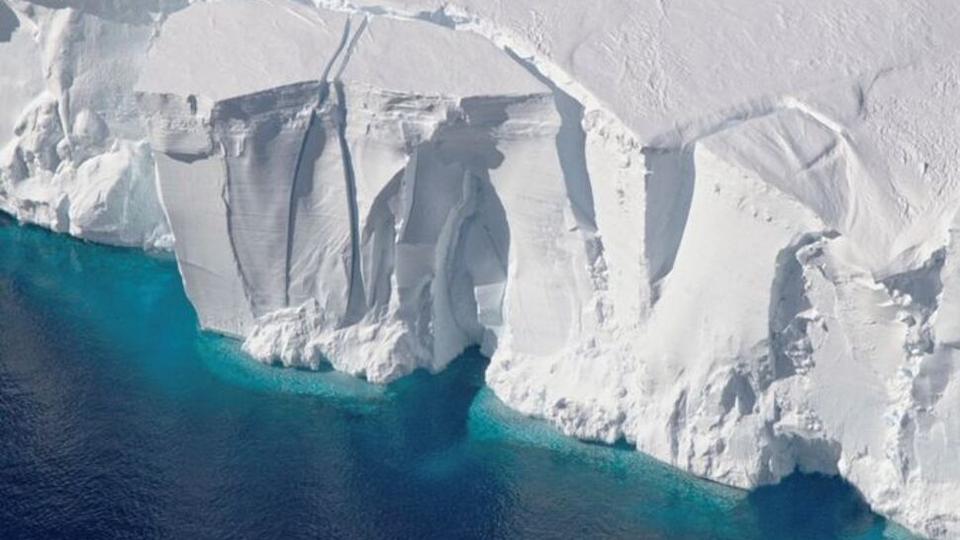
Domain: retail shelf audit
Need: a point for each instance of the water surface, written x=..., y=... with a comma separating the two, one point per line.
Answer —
x=119, y=419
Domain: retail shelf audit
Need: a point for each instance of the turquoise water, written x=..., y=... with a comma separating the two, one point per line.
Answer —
x=119, y=419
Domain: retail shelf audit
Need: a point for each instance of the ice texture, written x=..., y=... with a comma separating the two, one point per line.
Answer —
x=722, y=231
x=72, y=151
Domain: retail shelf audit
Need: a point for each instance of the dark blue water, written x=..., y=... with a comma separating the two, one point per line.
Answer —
x=119, y=419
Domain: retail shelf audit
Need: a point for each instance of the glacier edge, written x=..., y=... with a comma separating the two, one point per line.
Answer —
x=453, y=213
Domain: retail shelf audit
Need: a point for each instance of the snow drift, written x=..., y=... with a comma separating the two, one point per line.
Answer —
x=722, y=231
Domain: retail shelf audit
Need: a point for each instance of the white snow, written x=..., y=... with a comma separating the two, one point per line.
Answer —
x=724, y=231
x=75, y=159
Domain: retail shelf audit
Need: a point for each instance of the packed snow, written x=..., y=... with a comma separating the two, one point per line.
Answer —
x=724, y=231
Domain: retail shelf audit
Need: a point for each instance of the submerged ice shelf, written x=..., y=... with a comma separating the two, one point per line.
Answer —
x=212, y=441
x=720, y=231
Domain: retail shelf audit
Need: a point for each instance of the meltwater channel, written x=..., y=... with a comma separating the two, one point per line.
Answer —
x=120, y=419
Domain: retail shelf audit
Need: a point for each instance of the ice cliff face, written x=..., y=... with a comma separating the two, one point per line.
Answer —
x=722, y=231
x=73, y=153
x=362, y=211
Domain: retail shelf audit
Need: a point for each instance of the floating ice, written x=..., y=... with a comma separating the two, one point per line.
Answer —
x=723, y=231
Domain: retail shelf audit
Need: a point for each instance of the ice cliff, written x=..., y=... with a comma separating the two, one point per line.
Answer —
x=723, y=231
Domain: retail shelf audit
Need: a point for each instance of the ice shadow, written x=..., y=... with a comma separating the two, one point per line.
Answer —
x=8, y=23
x=811, y=507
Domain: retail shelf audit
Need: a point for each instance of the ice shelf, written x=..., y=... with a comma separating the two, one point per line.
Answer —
x=722, y=231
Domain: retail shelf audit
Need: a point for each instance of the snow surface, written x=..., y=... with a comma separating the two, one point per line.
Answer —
x=724, y=231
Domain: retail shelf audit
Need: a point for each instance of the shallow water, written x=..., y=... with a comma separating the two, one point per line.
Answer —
x=118, y=418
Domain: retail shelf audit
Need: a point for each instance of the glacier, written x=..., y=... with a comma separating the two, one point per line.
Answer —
x=724, y=232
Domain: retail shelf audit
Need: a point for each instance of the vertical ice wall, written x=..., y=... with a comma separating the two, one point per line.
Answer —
x=737, y=257
x=72, y=155
x=737, y=344
x=365, y=213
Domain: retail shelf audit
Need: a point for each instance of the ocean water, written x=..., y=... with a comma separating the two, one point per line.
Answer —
x=120, y=419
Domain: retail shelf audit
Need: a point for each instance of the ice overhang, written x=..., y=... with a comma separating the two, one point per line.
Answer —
x=225, y=50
